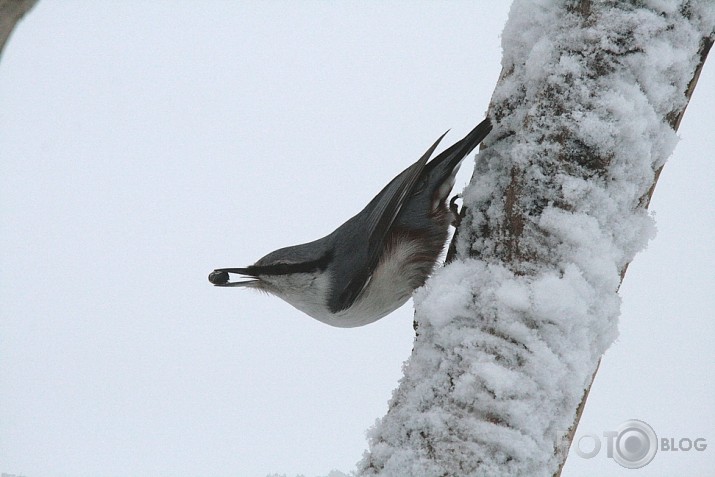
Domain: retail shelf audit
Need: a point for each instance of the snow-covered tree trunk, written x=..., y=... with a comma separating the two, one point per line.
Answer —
x=511, y=332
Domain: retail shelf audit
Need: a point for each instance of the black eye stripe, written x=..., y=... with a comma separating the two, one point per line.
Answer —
x=289, y=268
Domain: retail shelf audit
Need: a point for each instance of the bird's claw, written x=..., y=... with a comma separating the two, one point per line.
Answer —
x=454, y=208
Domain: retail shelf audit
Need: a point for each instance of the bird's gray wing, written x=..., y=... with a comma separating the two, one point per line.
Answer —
x=381, y=213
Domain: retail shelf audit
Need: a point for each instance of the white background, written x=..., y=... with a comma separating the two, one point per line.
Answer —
x=143, y=144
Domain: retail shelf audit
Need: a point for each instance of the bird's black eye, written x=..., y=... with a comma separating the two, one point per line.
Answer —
x=278, y=268
x=287, y=268
x=281, y=268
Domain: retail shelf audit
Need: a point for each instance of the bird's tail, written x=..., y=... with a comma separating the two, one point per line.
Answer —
x=450, y=158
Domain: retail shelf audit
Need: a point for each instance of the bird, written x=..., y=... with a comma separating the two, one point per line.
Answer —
x=370, y=265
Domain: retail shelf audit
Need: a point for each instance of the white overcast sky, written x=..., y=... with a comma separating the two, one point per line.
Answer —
x=142, y=144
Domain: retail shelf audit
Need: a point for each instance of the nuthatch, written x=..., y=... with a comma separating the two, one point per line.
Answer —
x=370, y=265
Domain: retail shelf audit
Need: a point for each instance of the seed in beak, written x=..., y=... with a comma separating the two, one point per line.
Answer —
x=218, y=277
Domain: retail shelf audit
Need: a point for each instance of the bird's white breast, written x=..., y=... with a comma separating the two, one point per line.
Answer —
x=389, y=287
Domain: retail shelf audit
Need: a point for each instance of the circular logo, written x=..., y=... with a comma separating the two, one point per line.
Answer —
x=636, y=444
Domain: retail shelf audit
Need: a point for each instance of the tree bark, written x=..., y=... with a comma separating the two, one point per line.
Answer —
x=511, y=332
x=673, y=119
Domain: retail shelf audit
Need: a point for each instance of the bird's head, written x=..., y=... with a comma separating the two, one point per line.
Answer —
x=291, y=273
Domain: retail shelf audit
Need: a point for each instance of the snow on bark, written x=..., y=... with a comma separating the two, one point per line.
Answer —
x=510, y=334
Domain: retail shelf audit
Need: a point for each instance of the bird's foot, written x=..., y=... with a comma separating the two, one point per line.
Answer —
x=454, y=208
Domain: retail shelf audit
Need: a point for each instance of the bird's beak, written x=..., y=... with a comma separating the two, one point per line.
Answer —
x=220, y=277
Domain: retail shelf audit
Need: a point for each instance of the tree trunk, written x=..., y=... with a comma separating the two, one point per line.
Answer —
x=510, y=333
